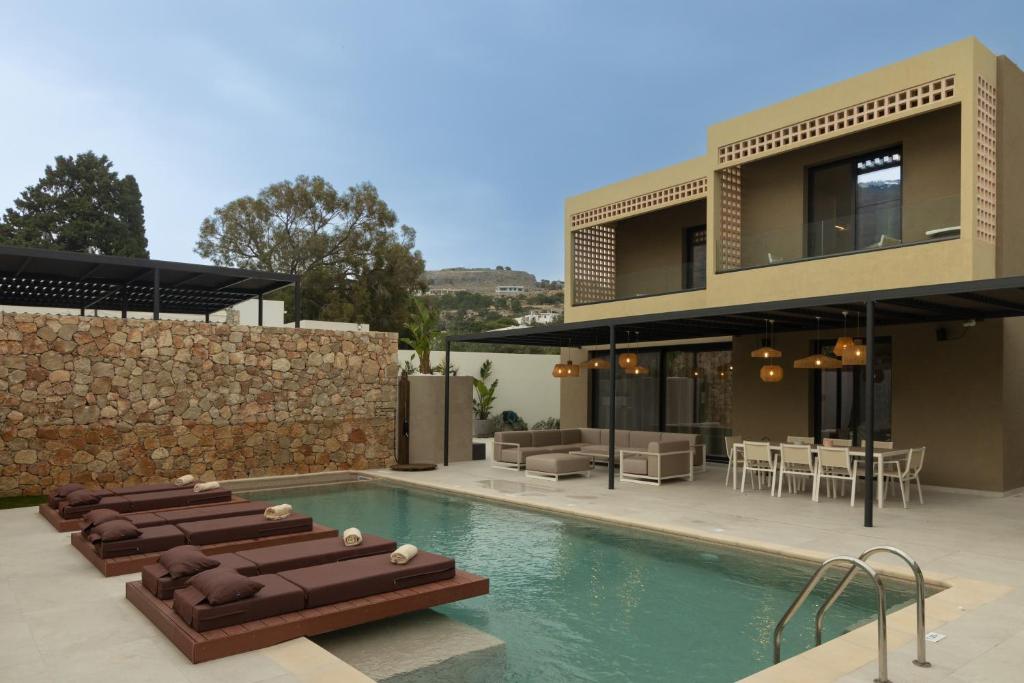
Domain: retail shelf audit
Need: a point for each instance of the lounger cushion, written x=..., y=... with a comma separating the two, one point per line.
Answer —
x=277, y=596
x=84, y=497
x=176, y=498
x=144, y=519
x=114, y=530
x=144, y=488
x=332, y=583
x=94, y=518
x=221, y=586
x=227, y=529
x=212, y=512
x=153, y=539
x=158, y=581
x=117, y=503
x=281, y=558
x=186, y=560
x=60, y=493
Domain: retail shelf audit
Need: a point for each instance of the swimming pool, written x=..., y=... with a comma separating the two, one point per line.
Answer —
x=580, y=600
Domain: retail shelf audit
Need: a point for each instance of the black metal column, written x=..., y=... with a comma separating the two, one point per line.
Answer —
x=447, y=395
x=298, y=302
x=869, y=413
x=156, y=294
x=206, y=316
x=259, y=310
x=613, y=361
x=124, y=301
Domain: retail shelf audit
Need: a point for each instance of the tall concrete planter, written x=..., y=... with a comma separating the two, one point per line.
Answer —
x=426, y=419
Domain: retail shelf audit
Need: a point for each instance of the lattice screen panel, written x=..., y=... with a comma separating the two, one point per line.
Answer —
x=676, y=194
x=593, y=264
x=731, y=212
x=920, y=97
x=985, y=162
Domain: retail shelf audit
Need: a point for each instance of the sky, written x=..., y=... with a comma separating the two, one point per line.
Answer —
x=475, y=120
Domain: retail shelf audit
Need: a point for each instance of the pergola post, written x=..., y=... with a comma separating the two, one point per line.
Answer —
x=447, y=395
x=259, y=309
x=611, y=406
x=298, y=301
x=124, y=301
x=869, y=409
x=156, y=294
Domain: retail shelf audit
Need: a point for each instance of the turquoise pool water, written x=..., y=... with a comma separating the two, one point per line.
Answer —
x=582, y=601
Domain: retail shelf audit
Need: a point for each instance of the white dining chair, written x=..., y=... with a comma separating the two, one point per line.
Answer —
x=835, y=465
x=879, y=445
x=733, y=451
x=842, y=443
x=904, y=471
x=801, y=440
x=759, y=460
x=795, y=461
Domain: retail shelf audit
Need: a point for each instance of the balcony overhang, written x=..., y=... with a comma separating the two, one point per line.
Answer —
x=973, y=300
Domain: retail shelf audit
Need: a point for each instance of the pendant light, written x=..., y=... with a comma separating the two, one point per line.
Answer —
x=843, y=342
x=564, y=370
x=598, y=363
x=817, y=361
x=766, y=351
x=770, y=372
x=638, y=370
x=629, y=361
x=856, y=353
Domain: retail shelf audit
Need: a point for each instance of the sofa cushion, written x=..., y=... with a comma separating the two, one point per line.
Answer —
x=571, y=437
x=641, y=440
x=557, y=463
x=521, y=438
x=547, y=437
x=634, y=465
x=590, y=435
x=537, y=450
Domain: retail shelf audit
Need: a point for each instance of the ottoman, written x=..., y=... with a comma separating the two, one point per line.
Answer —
x=556, y=465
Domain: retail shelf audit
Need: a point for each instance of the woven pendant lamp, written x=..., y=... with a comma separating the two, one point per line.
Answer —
x=856, y=353
x=817, y=361
x=843, y=342
x=598, y=363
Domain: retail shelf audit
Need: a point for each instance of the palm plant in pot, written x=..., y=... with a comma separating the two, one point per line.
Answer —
x=483, y=400
x=424, y=334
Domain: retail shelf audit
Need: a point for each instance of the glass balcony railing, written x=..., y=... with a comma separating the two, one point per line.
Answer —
x=634, y=283
x=879, y=226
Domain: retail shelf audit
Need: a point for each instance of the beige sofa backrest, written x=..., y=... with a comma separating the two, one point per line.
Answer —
x=641, y=440
x=523, y=438
x=571, y=436
x=547, y=437
x=591, y=435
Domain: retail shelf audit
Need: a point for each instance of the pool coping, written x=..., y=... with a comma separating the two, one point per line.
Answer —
x=831, y=660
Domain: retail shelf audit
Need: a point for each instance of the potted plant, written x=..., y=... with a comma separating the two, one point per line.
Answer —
x=423, y=334
x=483, y=400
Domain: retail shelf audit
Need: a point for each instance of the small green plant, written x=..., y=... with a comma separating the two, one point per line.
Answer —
x=424, y=334
x=483, y=401
x=508, y=421
x=548, y=423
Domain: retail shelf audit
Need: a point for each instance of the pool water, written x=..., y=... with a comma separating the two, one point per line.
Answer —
x=576, y=600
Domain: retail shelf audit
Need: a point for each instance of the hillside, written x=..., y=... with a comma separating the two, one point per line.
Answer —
x=479, y=280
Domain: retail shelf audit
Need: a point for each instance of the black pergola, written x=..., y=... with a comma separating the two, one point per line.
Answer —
x=974, y=300
x=63, y=279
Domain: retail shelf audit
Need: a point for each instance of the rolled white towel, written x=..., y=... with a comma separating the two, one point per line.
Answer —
x=278, y=511
x=352, y=536
x=404, y=553
x=185, y=480
x=206, y=486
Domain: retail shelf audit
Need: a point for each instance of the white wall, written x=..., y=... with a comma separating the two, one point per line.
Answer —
x=525, y=384
x=248, y=313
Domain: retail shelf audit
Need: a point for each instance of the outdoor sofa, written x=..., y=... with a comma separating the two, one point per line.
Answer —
x=649, y=456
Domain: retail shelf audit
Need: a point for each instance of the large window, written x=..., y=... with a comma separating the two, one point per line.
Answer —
x=856, y=203
x=637, y=401
x=839, y=398
x=695, y=265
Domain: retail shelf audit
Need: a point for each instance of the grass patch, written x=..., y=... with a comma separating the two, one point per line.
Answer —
x=21, y=502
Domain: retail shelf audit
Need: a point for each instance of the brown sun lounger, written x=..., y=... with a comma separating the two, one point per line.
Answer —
x=210, y=531
x=115, y=503
x=156, y=500
x=154, y=539
x=196, y=514
x=149, y=488
x=270, y=560
x=320, y=585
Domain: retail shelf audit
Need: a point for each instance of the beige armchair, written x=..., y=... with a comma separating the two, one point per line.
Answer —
x=660, y=461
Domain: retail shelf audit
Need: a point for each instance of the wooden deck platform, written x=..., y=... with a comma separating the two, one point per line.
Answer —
x=115, y=566
x=202, y=647
x=64, y=525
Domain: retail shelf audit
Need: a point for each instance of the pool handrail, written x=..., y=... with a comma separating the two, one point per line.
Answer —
x=819, y=620
x=855, y=563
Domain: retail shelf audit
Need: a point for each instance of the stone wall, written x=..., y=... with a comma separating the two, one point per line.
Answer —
x=119, y=402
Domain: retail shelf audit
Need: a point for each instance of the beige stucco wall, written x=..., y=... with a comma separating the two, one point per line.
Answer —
x=525, y=384
x=426, y=419
x=650, y=250
x=574, y=393
x=1013, y=403
x=1010, y=159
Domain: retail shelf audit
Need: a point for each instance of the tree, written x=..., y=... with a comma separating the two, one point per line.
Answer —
x=80, y=204
x=424, y=333
x=356, y=265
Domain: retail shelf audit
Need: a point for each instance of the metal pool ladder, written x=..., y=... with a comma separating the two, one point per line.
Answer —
x=854, y=564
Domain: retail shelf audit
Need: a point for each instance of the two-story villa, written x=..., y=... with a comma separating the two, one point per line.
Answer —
x=900, y=191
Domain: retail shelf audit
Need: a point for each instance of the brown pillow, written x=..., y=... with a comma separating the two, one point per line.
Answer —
x=63, y=491
x=82, y=497
x=94, y=518
x=186, y=560
x=114, y=530
x=223, y=585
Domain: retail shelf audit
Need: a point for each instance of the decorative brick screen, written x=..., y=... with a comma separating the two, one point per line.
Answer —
x=593, y=264
x=919, y=97
x=676, y=194
x=730, y=198
x=985, y=162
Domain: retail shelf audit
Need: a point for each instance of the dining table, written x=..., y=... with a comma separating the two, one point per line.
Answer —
x=859, y=453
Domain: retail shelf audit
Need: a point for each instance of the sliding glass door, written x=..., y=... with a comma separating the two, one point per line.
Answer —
x=839, y=398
